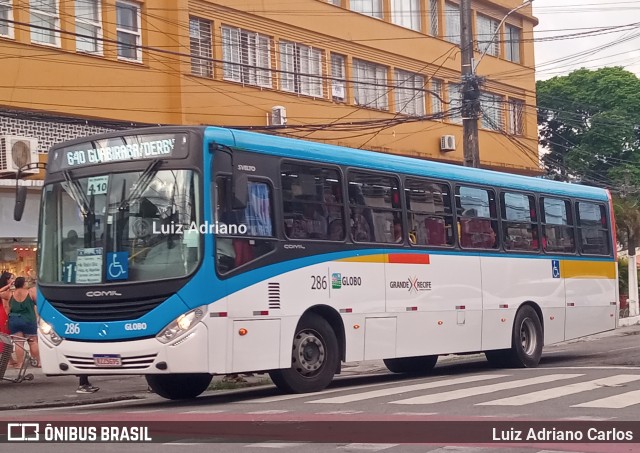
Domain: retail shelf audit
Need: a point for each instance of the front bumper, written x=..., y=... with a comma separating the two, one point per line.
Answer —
x=186, y=354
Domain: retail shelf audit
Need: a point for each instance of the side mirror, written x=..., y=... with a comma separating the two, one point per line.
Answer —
x=240, y=190
x=21, y=198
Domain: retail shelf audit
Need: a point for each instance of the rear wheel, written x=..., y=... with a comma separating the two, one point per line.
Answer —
x=527, y=341
x=179, y=386
x=314, y=357
x=421, y=364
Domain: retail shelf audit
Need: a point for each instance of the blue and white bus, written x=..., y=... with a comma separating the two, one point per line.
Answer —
x=179, y=253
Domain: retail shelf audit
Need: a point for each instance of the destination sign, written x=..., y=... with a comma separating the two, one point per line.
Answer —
x=119, y=149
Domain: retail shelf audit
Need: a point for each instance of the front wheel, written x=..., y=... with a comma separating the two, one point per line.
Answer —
x=314, y=357
x=420, y=364
x=179, y=386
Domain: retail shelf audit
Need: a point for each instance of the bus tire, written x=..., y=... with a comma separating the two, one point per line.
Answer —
x=179, y=386
x=421, y=364
x=315, y=357
x=527, y=339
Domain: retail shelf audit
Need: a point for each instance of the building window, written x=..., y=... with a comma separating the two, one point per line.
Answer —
x=338, y=78
x=247, y=57
x=334, y=2
x=370, y=85
x=128, y=29
x=301, y=68
x=516, y=117
x=434, y=20
x=512, y=44
x=409, y=93
x=491, y=107
x=436, y=96
x=452, y=22
x=88, y=23
x=371, y=8
x=200, y=44
x=486, y=34
x=406, y=13
x=45, y=22
x=455, y=103
x=6, y=16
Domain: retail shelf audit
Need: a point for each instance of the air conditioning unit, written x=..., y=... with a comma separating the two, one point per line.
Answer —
x=278, y=116
x=447, y=143
x=16, y=152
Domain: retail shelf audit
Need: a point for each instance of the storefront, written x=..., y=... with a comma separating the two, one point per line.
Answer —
x=18, y=246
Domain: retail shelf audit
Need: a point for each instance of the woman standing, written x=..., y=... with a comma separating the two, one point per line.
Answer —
x=6, y=280
x=23, y=318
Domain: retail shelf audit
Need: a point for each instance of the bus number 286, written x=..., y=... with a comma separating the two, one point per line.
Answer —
x=318, y=282
x=72, y=328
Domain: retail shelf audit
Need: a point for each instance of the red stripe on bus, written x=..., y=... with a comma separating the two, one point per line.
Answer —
x=409, y=258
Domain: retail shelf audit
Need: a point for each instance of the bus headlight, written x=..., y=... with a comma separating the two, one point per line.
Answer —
x=47, y=330
x=181, y=324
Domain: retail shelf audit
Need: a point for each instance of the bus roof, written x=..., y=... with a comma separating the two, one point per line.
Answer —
x=320, y=152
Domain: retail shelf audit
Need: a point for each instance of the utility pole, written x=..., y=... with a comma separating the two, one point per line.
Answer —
x=470, y=89
x=471, y=82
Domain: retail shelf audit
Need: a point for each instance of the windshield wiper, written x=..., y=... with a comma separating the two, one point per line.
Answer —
x=142, y=182
x=75, y=192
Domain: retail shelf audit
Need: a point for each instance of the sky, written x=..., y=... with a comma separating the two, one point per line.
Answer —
x=556, y=57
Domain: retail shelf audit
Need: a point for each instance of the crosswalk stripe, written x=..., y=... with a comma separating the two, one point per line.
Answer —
x=484, y=389
x=557, y=392
x=619, y=401
x=277, y=398
x=403, y=389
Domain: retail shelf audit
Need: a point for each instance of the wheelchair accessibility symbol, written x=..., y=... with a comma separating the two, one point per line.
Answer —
x=117, y=265
x=555, y=268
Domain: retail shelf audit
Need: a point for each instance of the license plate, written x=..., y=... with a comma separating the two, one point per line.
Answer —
x=107, y=360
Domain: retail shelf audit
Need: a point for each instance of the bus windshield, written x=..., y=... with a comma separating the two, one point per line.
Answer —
x=120, y=227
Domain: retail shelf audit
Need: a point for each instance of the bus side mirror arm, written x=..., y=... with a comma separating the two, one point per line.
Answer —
x=21, y=191
x=225, y=163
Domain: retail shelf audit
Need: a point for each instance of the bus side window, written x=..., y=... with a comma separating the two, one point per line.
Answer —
x=247, y=234
x=429, y=213
x=374, y=208
x=557, y=226
x=478, y=223
x=312, y=202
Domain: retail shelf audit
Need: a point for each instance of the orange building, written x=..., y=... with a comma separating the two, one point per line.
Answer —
x=376, y=74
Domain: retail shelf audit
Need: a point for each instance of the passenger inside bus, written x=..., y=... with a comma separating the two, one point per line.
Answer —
x=476, y=232
x=397, y=231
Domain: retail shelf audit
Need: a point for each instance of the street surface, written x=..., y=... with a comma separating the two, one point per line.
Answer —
x=596, y=379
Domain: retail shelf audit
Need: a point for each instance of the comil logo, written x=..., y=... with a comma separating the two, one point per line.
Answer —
x=102, y=293
x=23, y=432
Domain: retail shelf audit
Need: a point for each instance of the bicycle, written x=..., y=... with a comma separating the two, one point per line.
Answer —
x=8, y=343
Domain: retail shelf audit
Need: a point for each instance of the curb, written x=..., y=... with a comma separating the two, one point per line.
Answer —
x=109, y=399
x=630, y=321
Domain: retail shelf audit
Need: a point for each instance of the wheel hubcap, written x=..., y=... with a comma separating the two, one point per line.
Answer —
x=308, y=353
x=528, y=336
